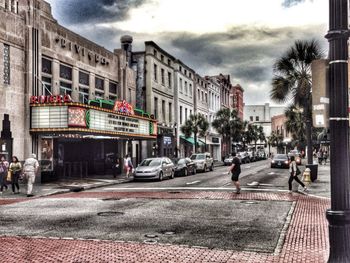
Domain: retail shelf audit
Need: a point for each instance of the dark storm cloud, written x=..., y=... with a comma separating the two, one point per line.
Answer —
x=89, y=11
x=289, y=3
x=246, y=53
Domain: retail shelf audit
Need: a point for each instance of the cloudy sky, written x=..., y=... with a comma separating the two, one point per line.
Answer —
x=237, y=37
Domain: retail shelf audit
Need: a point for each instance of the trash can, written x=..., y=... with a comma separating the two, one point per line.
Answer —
x=313, y=171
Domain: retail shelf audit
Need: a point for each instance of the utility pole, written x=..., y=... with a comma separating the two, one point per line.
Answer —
x=339, y=214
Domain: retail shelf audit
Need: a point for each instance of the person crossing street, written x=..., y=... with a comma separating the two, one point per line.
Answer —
x=30, y=169
x=235, y=170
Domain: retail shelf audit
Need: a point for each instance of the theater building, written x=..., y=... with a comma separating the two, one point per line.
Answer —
x=63, y=97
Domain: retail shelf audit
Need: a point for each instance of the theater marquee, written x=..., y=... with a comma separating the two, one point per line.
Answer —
x=77, y=117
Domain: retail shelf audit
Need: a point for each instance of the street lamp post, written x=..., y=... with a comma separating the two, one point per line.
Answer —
x=339, y=214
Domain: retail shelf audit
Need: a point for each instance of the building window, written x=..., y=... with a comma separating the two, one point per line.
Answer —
x=199, y=94
x=113, y=87
x=256, y=118
x=83, y=95
x=181, y=115
x=65, y=88
x=180, y=69
x=162, y=76
x=202, y=98
x=99, y=83
x=162, y=58
x=6, y=64
x=169, y=79
x=251, y=118
x=181, y=88
x=13, y=6
x=190, y=89
x=84, y=78
x=185, y=114
x=186, y=88
x=206, y=97
x=190, y=112
x=112, y=97
x=190, y=75
x=99, y=95
x=65, y=72
x=155, y=53
x=156, y=108
x=46, y=66
x=47, y=85
x=169, y=62
x=170, y=112
x=155, y=72
x=163, y=110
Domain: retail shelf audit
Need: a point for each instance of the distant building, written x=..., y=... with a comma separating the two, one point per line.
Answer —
x=278, y=125
x=262, y=114
x=236, y=100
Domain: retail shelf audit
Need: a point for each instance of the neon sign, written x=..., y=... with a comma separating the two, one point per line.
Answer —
x=123, y=107
x=50, y=99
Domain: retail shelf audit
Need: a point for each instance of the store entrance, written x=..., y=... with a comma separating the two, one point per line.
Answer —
x=85, y=157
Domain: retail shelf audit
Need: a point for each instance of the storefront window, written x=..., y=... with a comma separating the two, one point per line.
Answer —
x=65, y=88
x=46, y=154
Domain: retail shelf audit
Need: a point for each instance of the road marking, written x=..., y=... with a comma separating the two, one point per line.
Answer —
x=271, y=173
x=200, y=188
x=194, y=182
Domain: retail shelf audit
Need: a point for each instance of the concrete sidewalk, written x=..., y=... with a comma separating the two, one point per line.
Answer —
x=64, y=186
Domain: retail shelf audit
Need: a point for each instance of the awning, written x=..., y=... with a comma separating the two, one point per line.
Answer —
x=191, y=140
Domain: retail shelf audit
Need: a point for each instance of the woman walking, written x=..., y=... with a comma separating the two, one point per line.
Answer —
x=294, y=172
x=4, y=165
x=128, y=165
x=15, y=168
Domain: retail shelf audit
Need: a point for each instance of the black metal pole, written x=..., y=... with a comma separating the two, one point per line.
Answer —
x=308, y=121
x=339, y=214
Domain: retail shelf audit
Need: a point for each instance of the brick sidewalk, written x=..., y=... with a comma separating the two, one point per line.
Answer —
x=306, y=238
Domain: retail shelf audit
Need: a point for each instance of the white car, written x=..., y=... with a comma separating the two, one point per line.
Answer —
x=203, y=161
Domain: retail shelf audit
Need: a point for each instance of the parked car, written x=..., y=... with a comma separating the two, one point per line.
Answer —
x=203, y=161
x=280, y=161
x=251, y=155
x=155, y=168
x=184, y=166
x=228, y=160
x=244, y=157
x=296, y=155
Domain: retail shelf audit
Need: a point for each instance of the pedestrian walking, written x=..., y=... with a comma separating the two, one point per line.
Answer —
x=128, y=165
x=30, y=169
x=320, y=156
x=235, y=170
x=116, y=167
x=294, y=172
x=4, y=165
x=325, y=157
x=15, y=169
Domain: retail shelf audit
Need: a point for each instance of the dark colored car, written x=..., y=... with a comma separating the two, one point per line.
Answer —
x=297, y=157
x=184, y=166
x=280, y=161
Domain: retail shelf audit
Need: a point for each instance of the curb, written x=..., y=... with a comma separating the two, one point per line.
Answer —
x=84, y=188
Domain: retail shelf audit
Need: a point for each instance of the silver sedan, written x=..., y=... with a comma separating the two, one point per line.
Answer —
x=155, y=168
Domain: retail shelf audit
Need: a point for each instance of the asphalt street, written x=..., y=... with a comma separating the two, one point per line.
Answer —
x=219, y=179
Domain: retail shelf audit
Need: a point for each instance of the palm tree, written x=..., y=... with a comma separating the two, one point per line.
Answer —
x=196, y=124
x=229, y=126
x=276, y=140
x=295, y=125
x=260, y=135
x=292, y=81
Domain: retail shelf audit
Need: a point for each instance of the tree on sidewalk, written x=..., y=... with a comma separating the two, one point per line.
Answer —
x=292, y=81
x=196, y=124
